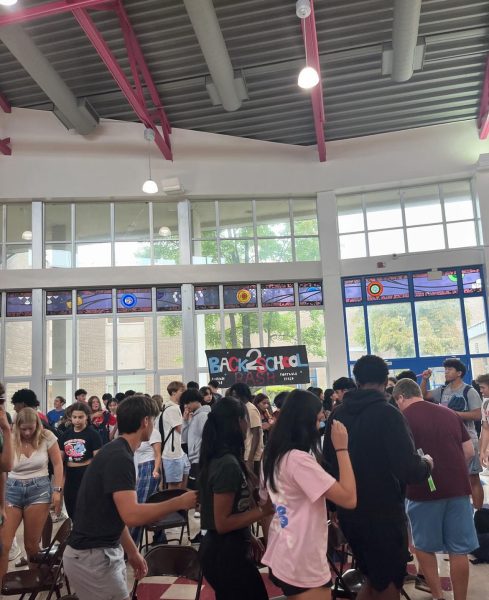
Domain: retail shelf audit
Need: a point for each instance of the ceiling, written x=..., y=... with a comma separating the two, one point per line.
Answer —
x=264, y=41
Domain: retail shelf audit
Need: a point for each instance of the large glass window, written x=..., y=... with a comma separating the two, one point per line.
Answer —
x=249, y=231
x=415, y=219
x=267, y=314
x=111, y=234
x=415, y=315
x=15, y=236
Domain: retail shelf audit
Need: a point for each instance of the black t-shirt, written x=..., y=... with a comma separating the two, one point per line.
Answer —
x=78, y=446
x=225, y=476
x=97, y=522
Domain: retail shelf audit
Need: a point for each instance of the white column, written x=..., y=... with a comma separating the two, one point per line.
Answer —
x=38, y=350
x=331, y=273
x=481, y=188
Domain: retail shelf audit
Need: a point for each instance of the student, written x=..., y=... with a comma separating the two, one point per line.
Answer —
x=26, y=398
x=99, y=418
x=147, y=460
x=107, y=505
x=29, y=493
x=384, y=459
x=466, y=402
x=278, y=403
x=342, y=386
x=214, y=385
x=112, y=420
x=298, y=487
x=58, y=412
x=78, y=447
x=262, y=403
x=175, y=462
x=442, y=518
x=81, y=395
x=227, y=506
x=254, y=437
x=207, y=395
x=483, y=381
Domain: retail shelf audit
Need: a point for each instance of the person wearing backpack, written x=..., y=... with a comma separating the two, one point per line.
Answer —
x=464, y=400
x=175, y=462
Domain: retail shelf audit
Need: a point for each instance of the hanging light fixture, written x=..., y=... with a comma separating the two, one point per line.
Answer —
x=27, y=235
x=149, y=186
x=8, y=2
x=308, y=77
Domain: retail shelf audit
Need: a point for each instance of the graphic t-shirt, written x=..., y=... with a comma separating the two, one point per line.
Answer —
x=254, y=421
x=455, y=397
x=79, y=446
x=172, y=417
x=440, y=433
x=225, y=476
x=98, y=523
x=298, y=534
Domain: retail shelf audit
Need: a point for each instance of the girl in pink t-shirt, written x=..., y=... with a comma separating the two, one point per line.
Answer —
x=299, y=487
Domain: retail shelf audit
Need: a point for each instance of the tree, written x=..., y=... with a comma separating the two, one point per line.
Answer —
x=391, y=333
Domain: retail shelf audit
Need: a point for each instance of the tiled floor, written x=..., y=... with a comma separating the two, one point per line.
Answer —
x=183, y=590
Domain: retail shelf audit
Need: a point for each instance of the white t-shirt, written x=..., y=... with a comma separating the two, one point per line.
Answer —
x=145, y=451
x=485, y=411
x=172, y=417
x=254, y=422
x=36, y=465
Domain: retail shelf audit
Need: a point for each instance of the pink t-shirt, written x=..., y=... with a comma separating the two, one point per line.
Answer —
x=298, y=535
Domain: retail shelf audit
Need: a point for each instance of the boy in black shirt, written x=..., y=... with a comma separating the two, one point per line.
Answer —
x=107, y=505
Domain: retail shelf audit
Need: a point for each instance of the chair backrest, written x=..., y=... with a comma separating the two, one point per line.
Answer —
x=59, y=543
x=177, y=561
x=165, y=495
x=47, y=532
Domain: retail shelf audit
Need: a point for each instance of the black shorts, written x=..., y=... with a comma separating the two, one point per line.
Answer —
x=380, y=547
x=292, y=590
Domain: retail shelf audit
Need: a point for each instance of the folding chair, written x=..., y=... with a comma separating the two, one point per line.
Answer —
x=171, y=521
x=49, y=577
x=174, y=561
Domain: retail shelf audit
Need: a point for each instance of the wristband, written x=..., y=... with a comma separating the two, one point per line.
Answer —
x=57, y=489
x=341, y=450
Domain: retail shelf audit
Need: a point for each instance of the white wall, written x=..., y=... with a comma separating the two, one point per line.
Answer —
x=48, y=161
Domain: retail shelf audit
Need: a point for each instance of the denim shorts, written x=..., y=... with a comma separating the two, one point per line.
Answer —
x=176, y=468
x=443, y=525
x=24, y=492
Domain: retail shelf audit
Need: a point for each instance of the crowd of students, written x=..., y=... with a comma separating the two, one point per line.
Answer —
x=369, y=453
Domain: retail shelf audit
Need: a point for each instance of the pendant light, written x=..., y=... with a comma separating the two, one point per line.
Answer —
x=149, y=186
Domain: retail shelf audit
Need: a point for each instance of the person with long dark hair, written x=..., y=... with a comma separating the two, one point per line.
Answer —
x=298, y=486
x=228, y=550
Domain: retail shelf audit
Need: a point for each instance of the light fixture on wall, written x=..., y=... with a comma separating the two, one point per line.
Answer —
x=27, y=235
x=164, y=231
x=149, y=186
x=8, y=2
x=308, y=77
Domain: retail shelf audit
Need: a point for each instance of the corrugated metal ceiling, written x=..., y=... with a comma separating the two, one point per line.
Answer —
x=265, y=42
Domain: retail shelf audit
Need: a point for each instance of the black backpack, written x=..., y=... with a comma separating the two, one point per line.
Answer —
x=458, y=403
x=171, y=433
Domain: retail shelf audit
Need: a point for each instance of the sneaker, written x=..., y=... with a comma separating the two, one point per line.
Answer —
x=196, y=514
x=22, y=562
x=14, y=551
x=197, y=539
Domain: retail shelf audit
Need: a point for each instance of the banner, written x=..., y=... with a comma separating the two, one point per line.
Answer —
x=259, y=366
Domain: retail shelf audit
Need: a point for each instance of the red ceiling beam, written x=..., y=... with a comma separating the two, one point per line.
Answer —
x=5, y=147
x=48, y=9
x=134, y=93
x=5, y=104
x=483, y=121
x=312, y=52
x=122, y=81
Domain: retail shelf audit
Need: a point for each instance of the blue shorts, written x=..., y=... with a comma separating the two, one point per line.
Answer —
x=443, y=525
x=24, y=492
x=176, y=468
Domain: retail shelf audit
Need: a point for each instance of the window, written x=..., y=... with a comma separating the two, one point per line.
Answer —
x=414, y=315
x=416, y=219
x=104, y=234
x=249, y=231
x=267, y=314
x=15, y=236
